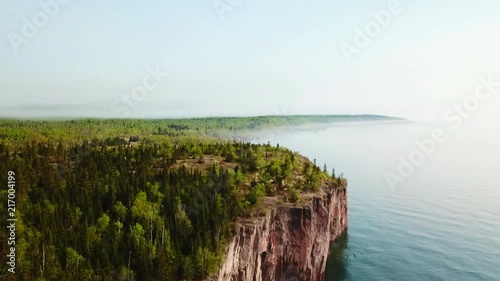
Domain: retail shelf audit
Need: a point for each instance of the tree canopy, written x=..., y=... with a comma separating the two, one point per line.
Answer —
x=138, y=199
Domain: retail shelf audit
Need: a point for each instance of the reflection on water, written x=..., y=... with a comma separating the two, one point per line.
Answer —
x=336, y=268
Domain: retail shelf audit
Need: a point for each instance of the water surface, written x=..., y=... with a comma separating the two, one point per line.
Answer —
x=442, y=223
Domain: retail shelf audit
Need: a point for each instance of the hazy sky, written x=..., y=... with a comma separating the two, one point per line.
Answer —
x=256, y=57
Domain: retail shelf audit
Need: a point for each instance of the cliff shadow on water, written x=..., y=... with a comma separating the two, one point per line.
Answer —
x=336, y=267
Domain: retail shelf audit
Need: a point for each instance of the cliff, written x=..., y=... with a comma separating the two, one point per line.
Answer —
x=291, y=242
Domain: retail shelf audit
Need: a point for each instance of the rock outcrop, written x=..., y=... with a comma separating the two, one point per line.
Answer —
x=289, y=243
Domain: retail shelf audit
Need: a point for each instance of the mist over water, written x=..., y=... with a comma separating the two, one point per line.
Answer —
x=441, y=223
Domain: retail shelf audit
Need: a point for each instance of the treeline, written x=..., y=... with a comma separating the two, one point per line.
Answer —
x=86, y=129
x=112, y=209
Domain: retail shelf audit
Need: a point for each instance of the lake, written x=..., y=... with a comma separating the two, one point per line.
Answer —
x=440, y=223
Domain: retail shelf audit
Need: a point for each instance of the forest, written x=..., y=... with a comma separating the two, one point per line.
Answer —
x=140, y=199
x=214, y=127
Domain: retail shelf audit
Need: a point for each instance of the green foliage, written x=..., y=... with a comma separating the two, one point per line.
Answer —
x=73, y=259
x=120, y=210
x=294, y=195
x=126, y=274
x=256, y=193
x=93, y=206
x=164, y=217
x=121, y=131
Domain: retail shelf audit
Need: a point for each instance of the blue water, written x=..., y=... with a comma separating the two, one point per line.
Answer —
x=441, y=223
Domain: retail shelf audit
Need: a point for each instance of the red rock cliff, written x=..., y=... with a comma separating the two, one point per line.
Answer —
x=289, y=243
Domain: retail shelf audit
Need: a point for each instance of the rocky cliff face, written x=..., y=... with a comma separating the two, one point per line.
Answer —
x=289, y=243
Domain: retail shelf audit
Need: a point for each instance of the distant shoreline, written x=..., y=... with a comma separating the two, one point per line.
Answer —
x=57, y=118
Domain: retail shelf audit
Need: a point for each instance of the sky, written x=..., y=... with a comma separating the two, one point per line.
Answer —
x=238, y=57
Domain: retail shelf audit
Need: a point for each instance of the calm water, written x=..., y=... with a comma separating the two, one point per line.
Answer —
x=442, y=223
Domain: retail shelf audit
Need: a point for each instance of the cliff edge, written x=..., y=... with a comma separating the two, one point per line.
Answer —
x=290, y=242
